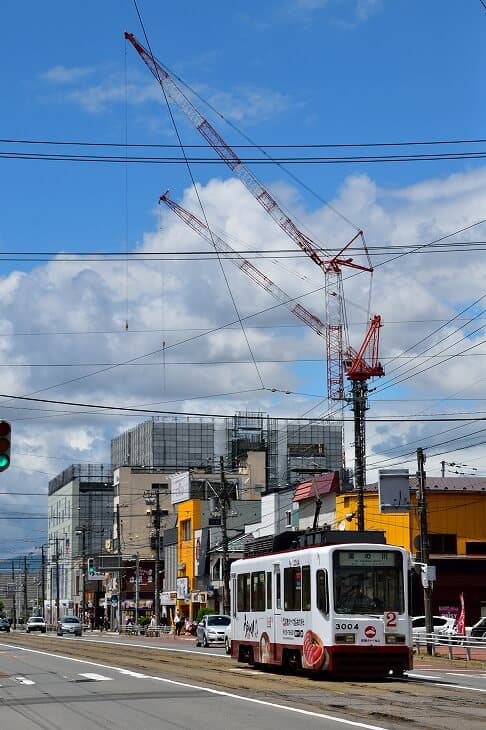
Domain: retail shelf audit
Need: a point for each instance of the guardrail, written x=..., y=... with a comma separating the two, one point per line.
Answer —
x=145, y=630
x=457, y=646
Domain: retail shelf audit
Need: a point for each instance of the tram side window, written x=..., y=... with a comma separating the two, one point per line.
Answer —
x=269, y=590
x=306, y=588
x=243, y=591
x=258, y=591
x=322, y=591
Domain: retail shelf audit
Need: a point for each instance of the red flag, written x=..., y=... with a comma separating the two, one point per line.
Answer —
x=461, y=621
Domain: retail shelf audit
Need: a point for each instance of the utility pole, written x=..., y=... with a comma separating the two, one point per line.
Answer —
x=26, y=608
x=156, y=514
x=43, y=579
x=442, y=468
x=424, y=545
x=82, y=531
x=137, y=585
x=360, y=405
x=223, y=506
x=121, y=574
x=57, y=576
x=14, y=599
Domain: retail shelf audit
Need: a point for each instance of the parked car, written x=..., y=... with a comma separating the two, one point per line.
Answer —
x=36, y=623
x=227, y=639
x=478, y=631
x=69, y=625
x=441, y=625
x=4, y=624
x=212, y=629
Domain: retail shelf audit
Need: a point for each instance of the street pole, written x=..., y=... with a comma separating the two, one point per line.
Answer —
x=137, y=581
x=359, y=406
x=26, y=608
x=157, y=559
x=223, y=505
x=57, y=578
x=43, y=578
x=424, y=545
x=14, y=605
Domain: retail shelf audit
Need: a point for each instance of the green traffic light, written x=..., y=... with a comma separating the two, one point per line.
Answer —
x=4, y=461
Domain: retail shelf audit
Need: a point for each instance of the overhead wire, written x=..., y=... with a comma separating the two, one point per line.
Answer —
x=196, y=191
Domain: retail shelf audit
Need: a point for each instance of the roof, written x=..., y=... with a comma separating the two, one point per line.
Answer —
x=444, y=484
x=318, y=486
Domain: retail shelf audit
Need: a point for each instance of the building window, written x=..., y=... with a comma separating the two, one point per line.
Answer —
x=444, y=544
x=288, y=518
x=186, y=530
x=476, y=548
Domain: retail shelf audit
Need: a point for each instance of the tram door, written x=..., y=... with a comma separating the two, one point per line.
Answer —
x=277, y=604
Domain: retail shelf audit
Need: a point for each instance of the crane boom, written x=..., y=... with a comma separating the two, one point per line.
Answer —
x=331, y=267
x=248, y=268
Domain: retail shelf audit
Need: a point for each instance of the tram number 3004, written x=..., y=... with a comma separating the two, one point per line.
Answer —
x=346, y=627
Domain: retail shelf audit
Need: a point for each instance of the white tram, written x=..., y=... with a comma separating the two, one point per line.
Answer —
x=340, y=608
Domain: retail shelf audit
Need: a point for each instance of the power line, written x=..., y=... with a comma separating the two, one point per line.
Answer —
x=84, y=143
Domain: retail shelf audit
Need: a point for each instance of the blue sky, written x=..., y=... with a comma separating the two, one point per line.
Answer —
x=294, y=72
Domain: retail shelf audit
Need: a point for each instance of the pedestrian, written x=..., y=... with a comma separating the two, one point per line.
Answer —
x=152, y=621
x=177, y=623
x=106, y=623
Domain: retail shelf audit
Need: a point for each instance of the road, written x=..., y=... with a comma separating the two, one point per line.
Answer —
x=107, y=681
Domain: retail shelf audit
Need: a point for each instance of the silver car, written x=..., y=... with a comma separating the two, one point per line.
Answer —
x=69, y=625
x=211, y=629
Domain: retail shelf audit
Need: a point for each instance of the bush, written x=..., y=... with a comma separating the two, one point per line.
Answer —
x=203, y=612
x=143, y=620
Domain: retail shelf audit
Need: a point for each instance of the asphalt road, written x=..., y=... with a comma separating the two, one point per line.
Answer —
x=107, y=681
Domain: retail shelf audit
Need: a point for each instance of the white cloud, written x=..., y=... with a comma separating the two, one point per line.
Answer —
x=66, y=75
x=178, y=301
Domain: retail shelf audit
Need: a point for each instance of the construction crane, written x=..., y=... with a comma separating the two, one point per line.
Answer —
x=334, y=299
x=359, y=370
x=360, y=366
x=244, y=265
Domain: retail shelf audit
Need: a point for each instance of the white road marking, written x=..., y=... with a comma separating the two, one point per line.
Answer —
x=421, y=676
x=459, y=686
x=96, y=677
x=129, y=673
x=23, y=680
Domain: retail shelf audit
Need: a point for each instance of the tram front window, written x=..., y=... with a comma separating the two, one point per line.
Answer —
x=368, y=582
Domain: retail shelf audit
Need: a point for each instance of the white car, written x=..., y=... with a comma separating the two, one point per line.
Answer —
x=441, y=625
x=36, y=623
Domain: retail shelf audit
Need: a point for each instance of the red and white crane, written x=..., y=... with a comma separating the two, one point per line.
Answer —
x=332, y=267
x=361, y=365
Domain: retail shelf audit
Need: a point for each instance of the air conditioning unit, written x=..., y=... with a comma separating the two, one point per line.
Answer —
x=181, y=566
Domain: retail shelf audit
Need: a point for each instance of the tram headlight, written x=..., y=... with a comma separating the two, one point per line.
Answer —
x=344, y=638
x=394, y=638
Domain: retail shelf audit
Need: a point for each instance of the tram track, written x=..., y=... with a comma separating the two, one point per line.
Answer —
x=391, y=703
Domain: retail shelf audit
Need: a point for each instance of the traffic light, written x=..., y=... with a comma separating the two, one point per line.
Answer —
x=91, y=566
x=4, y=445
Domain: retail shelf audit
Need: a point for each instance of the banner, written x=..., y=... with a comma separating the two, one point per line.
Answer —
x=461, y=621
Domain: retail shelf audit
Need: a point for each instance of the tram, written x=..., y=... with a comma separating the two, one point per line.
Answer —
x=340, y=608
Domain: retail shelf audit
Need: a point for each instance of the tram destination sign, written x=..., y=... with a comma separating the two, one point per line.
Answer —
x=352, y=558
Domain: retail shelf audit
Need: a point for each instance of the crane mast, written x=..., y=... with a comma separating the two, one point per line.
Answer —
x=360, y=367
x=331, y=267
x=244, y=265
